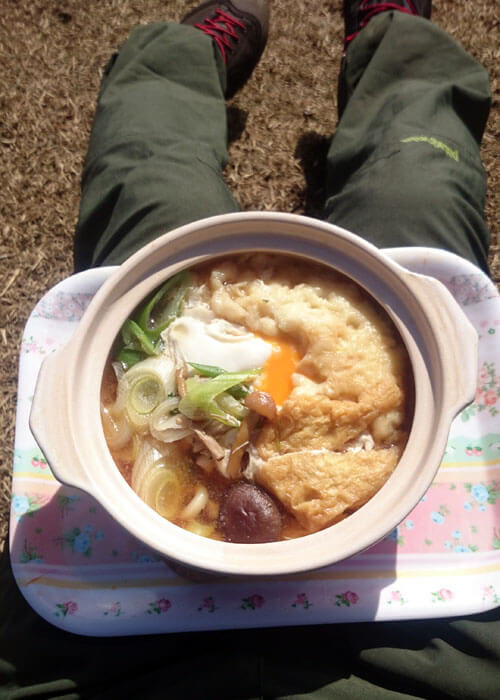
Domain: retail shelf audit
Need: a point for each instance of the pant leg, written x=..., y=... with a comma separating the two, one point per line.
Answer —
x=158, y=144
x=404, y=165
x=404, y=169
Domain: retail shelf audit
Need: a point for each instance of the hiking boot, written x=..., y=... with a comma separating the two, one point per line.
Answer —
x=357, y=13
x=239, y=28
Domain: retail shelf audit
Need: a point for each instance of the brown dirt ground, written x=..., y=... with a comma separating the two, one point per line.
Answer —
x=52, y=53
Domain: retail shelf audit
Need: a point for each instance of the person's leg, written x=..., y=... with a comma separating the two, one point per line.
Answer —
x=159, y=138
x=404, y=166
x=158, y=144
x=404, y=169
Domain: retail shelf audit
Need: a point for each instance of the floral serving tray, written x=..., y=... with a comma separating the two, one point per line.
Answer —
x=83, y=572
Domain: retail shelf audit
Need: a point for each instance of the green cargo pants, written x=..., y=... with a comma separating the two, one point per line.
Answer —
x=403, y=169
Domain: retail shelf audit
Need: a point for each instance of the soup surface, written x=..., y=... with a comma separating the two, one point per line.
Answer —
x=257, y=398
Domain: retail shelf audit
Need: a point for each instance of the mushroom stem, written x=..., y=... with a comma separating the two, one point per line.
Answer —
x=241, y=441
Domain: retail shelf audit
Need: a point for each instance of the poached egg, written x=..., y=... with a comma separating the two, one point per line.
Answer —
x=223, y=344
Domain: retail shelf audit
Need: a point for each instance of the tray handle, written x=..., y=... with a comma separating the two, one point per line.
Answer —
x=49, y=422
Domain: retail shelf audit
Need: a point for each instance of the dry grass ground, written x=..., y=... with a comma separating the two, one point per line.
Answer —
x=52, y=53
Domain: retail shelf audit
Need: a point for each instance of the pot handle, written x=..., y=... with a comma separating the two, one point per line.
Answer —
x=49, y=422
x=459, y=345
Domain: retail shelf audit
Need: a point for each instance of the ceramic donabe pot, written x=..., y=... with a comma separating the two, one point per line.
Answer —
x=441, y=343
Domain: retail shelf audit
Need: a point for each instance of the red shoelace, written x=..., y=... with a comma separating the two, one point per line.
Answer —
x=221, y=29
x=366, y=12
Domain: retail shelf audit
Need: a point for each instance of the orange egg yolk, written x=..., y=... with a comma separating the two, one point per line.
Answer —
x=276, y=377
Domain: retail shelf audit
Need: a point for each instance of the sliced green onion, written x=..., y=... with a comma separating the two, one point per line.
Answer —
x=137, y=399
x=207, y=370
x=157, y=478
x=128, y=357
x=231, y=405
x=199, y=402
x=135, y=338
x=162, y=413
x=166, y=490
x=167, y=426
x=160, y=367
x=147, y=459
x=116, y=429
x=146, y=394
x=239, y=391
x=165, y=305
x=141, y=338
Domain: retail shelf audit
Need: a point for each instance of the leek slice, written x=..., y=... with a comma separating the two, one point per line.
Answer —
x=171, y=428
x=165, y=305
x=143, y=387
x=116, y=430
x=239, y=391
x=207, y=370
x=230, y=405
x=127, y=358
x=135, y=338
x=167, y=492
x=161, y=367
x=200, y=528
x=146, y=394
x=199, y=403
x=148, y=459
x=157, y=478
x=141, y=336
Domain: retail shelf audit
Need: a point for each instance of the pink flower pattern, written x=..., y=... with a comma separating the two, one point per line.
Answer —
x=62, y=306
x=487, y=393
x=159, y=606
x=471, y=289
x=30, y=346
x=490, y=595
x=396, y=597
x=208, y=604
x=70, y=607
x=348, y=598
x=442, y=595
x=301, y=601
x=39, y=463
x=490, y=398
x=252, y=602
x=114, y=610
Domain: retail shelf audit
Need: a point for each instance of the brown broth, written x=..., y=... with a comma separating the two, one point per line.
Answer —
x=214, y=482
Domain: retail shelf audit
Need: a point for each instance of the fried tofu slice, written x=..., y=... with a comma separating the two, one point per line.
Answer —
x=320, y=487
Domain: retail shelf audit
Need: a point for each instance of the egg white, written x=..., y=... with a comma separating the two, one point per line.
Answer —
x=217, y=342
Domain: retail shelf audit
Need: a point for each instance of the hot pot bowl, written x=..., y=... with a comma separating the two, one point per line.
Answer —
x=441, y=343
